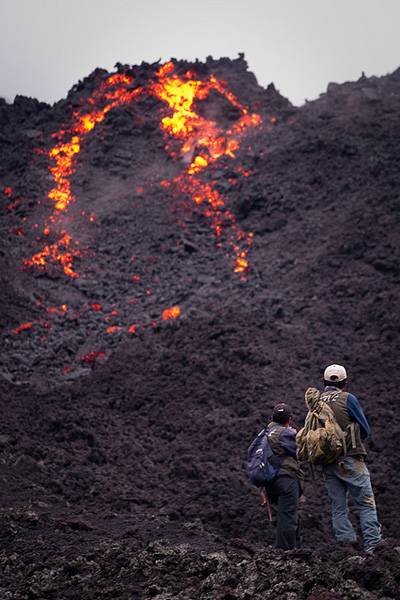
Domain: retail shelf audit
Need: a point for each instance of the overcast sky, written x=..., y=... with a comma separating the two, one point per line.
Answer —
x=301, y=45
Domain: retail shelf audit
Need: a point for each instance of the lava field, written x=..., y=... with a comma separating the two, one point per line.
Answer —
x=181, y=250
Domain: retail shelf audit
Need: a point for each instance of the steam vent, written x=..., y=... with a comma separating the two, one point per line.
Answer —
x=181, y=250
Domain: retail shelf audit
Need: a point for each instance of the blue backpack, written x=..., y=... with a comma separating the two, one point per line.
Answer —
x=262, y=464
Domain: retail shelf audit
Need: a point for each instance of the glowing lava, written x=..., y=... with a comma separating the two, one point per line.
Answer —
x=93, y=356
x=8, y=191
x=22, y=327
x=57, y=310
x=96, y=306
x=114, y=329
x=171, y=313
x=203, y=142
x=197, y=132
x=59, y=252
x=112, y=92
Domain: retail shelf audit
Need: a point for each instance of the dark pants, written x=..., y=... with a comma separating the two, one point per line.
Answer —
x=284, y=493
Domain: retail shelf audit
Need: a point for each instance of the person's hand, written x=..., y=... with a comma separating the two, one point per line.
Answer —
x=263, y=498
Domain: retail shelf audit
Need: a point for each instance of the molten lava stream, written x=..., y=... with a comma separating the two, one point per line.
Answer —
x=112, y=92
x=203, y=142
x=199, y=143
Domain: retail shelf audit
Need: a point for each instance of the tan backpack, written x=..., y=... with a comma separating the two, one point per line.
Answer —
x=321, y=441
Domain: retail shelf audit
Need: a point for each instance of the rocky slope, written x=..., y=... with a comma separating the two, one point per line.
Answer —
x=122, y=447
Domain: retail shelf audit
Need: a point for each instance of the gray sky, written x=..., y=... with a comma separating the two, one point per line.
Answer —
x=301, y=45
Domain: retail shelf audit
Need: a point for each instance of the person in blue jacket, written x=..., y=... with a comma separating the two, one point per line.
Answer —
x=349, y=476
x=285, y=490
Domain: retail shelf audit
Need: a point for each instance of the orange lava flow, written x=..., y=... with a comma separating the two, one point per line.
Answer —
x=60, y=252
x=171, y=313
x=63, y=154
x=22, y=327
x=201, y=143
x=112, y=92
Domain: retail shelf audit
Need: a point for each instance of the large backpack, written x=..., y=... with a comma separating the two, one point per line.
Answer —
x=262, y=464
x=321, y=441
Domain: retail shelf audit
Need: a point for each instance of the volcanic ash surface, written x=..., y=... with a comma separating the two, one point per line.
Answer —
x=181, y=250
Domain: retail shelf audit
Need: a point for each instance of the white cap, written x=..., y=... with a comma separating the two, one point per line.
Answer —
x=335, y=373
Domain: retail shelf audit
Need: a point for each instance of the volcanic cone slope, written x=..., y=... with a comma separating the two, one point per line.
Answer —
x=181, y=250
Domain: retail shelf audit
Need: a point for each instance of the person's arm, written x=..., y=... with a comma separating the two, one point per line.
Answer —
x=357, y=413
x=287, y=441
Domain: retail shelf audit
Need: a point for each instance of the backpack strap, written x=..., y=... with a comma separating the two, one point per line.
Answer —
x=343, y=435
x=352, y=428
x=328, y=396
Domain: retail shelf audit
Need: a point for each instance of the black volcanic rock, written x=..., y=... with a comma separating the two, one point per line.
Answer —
x=122, y=454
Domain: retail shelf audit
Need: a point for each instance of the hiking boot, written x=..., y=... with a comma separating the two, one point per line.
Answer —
x=299, y=553
x=348, y=546
x=377, y=547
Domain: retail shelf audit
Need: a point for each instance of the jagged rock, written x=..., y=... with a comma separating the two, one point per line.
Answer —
x=127, y=432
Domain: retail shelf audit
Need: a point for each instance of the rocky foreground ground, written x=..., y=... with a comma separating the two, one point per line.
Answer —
x=123, y=429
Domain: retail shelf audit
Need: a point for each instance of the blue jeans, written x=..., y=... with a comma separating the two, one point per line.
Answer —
x=351, y=476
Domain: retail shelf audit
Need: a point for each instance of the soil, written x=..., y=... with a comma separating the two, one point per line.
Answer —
x=122, y=453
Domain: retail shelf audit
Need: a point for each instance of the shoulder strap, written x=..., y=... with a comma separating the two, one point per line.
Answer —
x=272, y=427
x=352, y=428
x=329, y=396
